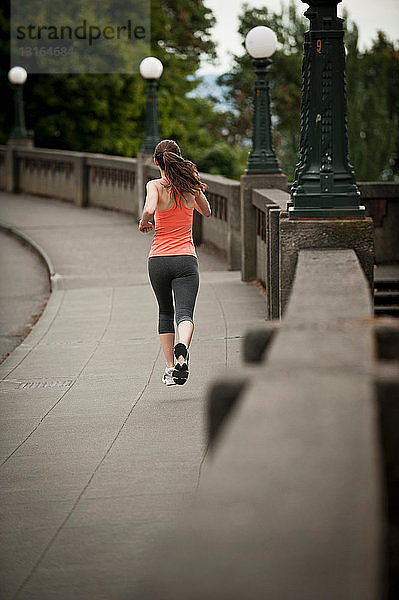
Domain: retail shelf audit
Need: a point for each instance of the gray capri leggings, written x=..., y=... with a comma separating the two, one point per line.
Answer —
x=177, y=274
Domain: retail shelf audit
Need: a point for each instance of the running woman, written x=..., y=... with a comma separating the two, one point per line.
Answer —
x=172, y=262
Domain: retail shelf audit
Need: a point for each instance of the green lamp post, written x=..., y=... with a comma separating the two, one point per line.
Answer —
x=261, y=43
x=17, y=76
x=151, y=69
x=324, y=185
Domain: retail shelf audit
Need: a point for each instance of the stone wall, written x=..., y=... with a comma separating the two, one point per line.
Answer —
x=269, y=205
x=382, y=204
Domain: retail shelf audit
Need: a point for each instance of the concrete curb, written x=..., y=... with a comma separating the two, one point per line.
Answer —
x=49, y=312
x=54, y=279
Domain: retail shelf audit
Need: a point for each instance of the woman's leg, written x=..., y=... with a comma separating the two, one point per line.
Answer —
x=160, y=279
x=185, y=329
x=185, y=289
x=168, y=344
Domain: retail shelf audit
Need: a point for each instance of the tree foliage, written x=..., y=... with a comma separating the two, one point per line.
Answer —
x=284, y=77
x=372, y=92
x=105, y=112
x=373, y=107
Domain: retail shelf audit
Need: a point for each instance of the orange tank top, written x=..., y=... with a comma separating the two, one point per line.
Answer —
x=173, y=229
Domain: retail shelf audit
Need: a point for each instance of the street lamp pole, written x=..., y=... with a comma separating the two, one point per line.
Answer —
x=17, y=77
x=151, y=69
x=324, y=185
x=261, y=43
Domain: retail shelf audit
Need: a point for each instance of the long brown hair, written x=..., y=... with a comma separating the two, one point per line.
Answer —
x=182, y=174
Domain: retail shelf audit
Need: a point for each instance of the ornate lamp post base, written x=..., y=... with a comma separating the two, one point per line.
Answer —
x=262, y=162
x=325, y=206
x=325, y=185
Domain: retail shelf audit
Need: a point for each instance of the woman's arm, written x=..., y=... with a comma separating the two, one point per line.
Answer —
x=202, y=205
x=150, y=206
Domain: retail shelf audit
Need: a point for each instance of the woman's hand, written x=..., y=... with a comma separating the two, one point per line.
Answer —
x=145, y=228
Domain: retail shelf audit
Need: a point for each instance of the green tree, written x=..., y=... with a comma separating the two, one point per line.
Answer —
x=284, y=77
x=372, y=92
x=105, y=112
x=373, y=107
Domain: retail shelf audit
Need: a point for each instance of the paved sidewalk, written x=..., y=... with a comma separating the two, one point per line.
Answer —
x=97, y=455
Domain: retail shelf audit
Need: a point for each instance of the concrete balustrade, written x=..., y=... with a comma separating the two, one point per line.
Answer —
x=112, y=182
x=382, y=204
x=269, y=204
x=222, y=229
x=244, y=226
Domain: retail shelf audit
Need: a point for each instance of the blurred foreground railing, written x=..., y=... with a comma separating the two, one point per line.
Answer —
x=293, y=497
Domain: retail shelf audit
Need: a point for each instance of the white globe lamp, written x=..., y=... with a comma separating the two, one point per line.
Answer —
x=261, y=42
x=151, y=68
x=17, y=75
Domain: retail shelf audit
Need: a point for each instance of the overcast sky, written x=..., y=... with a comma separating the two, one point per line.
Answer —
x=368, y=14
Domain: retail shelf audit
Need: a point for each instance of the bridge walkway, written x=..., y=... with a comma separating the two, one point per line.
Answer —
x=97, y=456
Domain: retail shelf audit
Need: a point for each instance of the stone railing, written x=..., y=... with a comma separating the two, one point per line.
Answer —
x=111, y=182
x=95, y=179
x=382, y=204
x=268, y=205
x=222, y=229
x=119, y=183
x=278, y=241
x=291, y=502
x=49, y=173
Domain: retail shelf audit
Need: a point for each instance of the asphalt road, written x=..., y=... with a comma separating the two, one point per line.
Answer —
x=24, y=291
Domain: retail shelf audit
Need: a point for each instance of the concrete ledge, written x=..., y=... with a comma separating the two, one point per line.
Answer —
x=378, y=189
x=222, y=399
x=256, y=343
x=289, y=506
x=248, y=217
x=356, y=234
x=273, y=203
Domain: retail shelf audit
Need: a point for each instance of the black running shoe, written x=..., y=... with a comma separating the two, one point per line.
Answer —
x=180, y=373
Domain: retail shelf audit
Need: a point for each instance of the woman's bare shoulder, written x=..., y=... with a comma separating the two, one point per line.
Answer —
x=158, y=182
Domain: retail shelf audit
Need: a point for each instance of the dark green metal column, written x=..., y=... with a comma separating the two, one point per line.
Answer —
x=325, y=185
x=19, y=130
x=262, y=158
x=151, y=118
